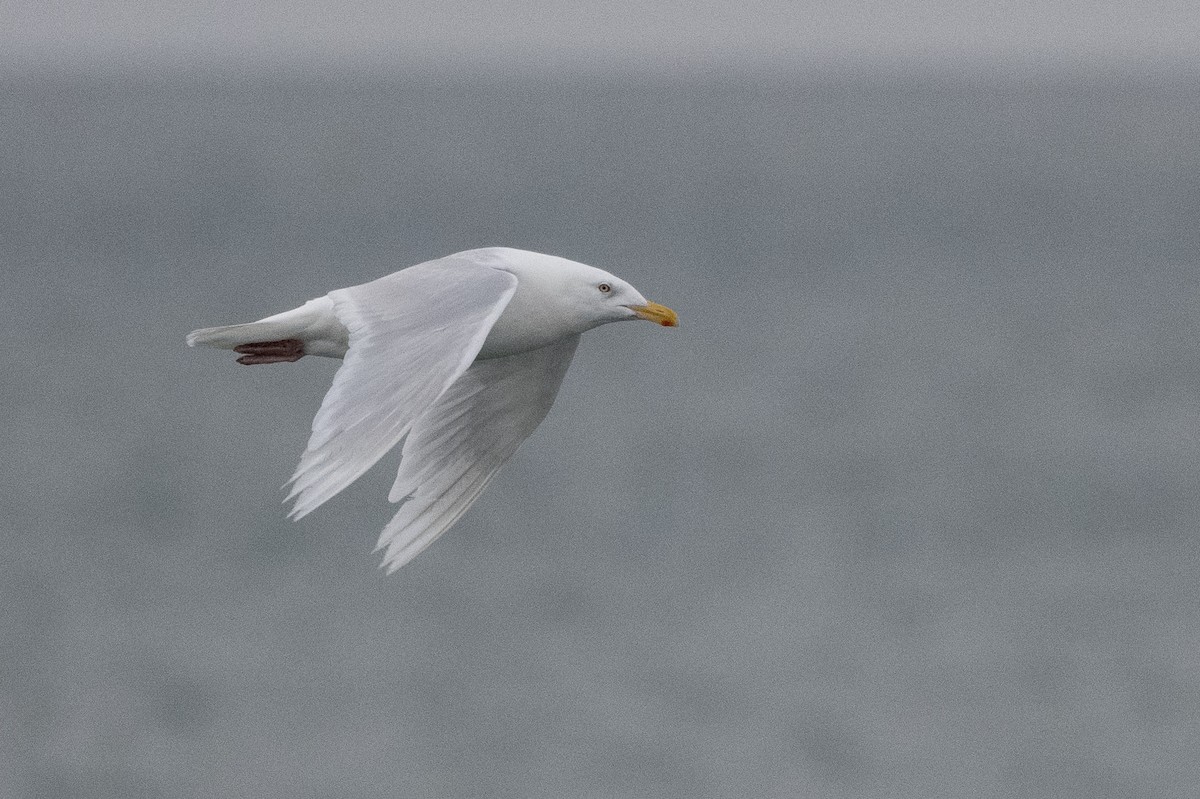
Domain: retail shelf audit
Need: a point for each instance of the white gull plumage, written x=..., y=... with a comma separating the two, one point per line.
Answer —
x=460, y=357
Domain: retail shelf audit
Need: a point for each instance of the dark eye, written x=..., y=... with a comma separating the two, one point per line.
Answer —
x=604, y=288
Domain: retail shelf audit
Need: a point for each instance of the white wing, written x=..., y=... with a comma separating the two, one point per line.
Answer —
x=412, y=334
x=457, y=446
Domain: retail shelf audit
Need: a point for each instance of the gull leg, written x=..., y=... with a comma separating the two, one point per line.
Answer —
x=282, y=351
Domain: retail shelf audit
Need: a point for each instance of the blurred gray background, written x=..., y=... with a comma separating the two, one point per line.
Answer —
x=906, y=508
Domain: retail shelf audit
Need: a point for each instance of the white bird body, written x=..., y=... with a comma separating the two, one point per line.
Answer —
x=460, y=358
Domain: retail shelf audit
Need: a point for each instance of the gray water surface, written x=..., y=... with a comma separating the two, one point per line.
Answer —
x=906, y=508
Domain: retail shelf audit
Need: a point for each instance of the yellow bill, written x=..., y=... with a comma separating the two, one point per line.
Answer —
x=653, y=312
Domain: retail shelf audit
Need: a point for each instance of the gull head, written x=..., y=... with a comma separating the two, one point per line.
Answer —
x=602, y=298
x=556, y=297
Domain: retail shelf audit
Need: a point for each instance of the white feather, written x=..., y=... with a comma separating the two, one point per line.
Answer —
x=456, y=447
x=412, y=334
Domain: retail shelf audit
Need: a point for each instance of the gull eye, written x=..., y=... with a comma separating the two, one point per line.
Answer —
x=604, y=288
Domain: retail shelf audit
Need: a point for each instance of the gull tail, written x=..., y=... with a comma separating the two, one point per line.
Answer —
x=230, y=337
x=311, y=329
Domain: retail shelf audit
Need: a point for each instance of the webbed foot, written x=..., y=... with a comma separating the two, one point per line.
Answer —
x=283, y=351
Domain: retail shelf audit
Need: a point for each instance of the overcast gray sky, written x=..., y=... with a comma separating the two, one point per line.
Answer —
x=541, y=33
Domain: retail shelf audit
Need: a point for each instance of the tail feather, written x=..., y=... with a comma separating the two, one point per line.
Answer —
x=315, y=323
x=228, y=337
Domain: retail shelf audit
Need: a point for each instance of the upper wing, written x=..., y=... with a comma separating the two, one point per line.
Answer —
x=456, y=447
x=412, y=334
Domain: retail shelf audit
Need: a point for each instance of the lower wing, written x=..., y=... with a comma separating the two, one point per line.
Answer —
x=457, y=446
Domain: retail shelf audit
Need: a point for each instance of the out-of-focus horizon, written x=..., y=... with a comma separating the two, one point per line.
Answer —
x=656, y=37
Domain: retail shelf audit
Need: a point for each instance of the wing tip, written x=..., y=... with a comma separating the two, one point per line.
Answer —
x=392, y=561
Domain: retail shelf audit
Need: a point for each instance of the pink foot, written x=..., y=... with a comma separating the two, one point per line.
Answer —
x=284, y=351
